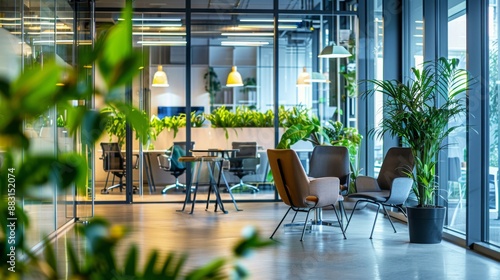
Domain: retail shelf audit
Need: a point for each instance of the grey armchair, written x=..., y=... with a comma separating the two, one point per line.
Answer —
x=297, y=190
x=391, y=187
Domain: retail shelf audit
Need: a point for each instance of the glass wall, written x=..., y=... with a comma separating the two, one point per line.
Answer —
x=493, y=226
x=223, y=114
x=378, y=100
x=33, y=34
x=457, y=163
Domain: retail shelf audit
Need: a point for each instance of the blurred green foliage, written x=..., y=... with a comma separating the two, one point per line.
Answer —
x=30, y=96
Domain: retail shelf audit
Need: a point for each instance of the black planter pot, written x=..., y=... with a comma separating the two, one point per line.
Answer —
x=425, y=224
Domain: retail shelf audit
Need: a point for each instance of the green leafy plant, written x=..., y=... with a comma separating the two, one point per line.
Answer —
x=31, y=95
x=174, y=123
x=116, y=124
x=197, y=119
x=223, y=118
x=300, y=125
x=212, y=85
x=348, y=137
x=421, y=111
x=61, y=122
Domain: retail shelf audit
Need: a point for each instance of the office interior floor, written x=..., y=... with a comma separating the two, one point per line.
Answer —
x=266, y=192
x=324, y=253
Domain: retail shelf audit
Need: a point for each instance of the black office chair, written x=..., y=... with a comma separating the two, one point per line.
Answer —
x=114, y=163
x=243, y=163
x=169, y=162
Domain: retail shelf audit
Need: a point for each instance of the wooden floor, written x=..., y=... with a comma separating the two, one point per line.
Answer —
x=324, y=253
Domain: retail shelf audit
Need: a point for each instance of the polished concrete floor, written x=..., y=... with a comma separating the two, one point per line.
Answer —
x=324, y=253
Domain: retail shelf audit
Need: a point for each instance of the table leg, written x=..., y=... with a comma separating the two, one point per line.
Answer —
x=200, y=164
x=188, y=190
x=149, y=173
x=215, y=187
x=221, y=174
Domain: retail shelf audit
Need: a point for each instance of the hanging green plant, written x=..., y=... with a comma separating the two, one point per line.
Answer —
x=212, y=85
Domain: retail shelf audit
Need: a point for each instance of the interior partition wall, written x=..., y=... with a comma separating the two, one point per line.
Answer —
x=31, y=34
x=205, y=44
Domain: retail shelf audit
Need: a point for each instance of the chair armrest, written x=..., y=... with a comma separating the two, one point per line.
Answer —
x=326, y=189
x=136, y=162
x=400, y=190
x=163, y=161
x=366, y=184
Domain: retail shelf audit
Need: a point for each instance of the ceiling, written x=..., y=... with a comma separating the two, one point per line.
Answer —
x=211, y=4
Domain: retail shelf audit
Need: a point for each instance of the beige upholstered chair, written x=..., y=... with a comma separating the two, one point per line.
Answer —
x=301, y=193
x=391, y=187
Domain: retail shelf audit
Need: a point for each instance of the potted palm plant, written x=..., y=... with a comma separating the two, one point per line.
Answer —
x=420, y=112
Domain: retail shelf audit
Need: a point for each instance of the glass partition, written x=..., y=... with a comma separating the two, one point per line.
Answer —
x=39, y=32
x=457, y=146
x=493, y=201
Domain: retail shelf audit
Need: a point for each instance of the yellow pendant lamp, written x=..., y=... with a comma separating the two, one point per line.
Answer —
x=234, y=78
x=304, y=78
x=160, y=78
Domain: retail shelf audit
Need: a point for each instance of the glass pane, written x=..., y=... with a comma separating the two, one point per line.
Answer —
x=232, y=80
x=65, y=143
x=378, y=52
x=457, y=202
x=40, y=25
x=231, y=4
x=493, y=201
x=415, y=35
x=317, y=5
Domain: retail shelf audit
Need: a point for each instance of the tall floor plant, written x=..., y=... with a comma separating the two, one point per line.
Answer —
x=420, y=111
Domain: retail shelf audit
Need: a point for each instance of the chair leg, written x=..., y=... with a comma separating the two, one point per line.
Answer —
x=375, y=221
x=105, y=190
x=305, y=224
x=176, y=185
x=244, y=186
x=389, y=217
x=339, y=220
x=352, y=212
x=280, y=222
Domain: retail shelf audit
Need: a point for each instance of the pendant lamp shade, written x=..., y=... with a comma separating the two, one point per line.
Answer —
x=317, y=77
x=304, y=78
x=160, y=78
x=234, y=78
x=334, y=51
